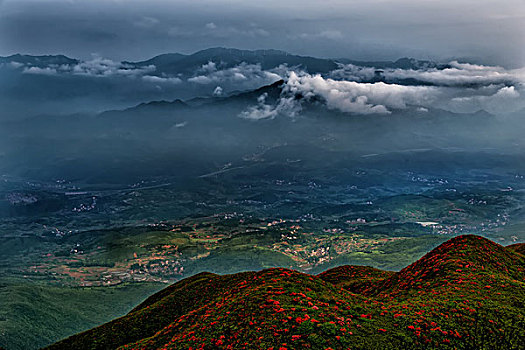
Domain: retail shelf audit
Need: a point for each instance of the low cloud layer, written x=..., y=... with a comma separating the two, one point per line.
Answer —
x=96, y=67
x=360, y=98
x=458, y=87
x=161, y=80
x=210, y=74
x=351, y=88
x=105, y=67
x=287, y=105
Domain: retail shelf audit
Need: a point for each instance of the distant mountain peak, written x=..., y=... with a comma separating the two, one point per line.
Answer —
x=39, y=61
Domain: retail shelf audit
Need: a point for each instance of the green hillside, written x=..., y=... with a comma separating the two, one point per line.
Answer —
x=468, y=293
x=33, y=315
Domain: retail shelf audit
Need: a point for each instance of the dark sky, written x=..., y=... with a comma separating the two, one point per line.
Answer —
x=486, y=31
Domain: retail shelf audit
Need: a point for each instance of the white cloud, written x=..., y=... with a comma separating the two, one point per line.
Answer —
x=260, y=111
x=287, y=105
x=15, y=64
x=463, y=87
x=96, y=67
x=201, y=79
x=100, y=67
x=161, y=80
x=360, y=98
x=507, y=92
x=241, y=73
x=209, y=67
x=210, y=26
x=218, y=91
x=38, y=70
x=505, y=100
x=457, y=74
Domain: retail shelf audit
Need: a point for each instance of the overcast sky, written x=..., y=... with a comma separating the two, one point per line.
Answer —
x=486, y=30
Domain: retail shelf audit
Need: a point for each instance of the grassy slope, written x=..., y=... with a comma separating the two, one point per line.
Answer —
x=467, y=294
x=32, y=315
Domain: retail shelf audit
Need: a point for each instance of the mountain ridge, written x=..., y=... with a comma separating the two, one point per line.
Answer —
x=282, y=308
x=172, y=59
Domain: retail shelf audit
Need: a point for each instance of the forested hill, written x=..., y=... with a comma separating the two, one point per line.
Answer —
x=468, y=293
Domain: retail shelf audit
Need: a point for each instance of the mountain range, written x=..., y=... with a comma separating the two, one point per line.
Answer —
x=178, y=63
x=56, y=84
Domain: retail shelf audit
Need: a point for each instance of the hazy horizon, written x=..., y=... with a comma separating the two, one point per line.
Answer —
x=483, y=32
